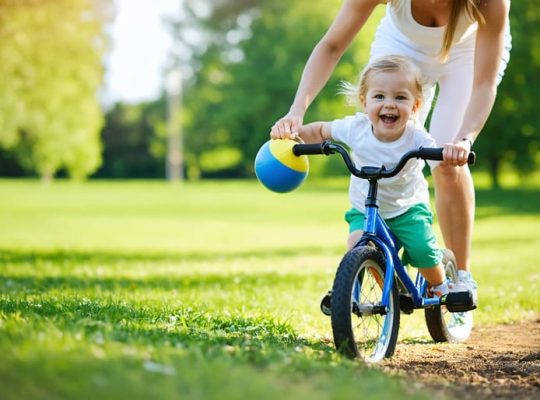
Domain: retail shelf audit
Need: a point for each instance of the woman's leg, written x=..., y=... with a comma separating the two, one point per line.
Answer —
x=454, y=199
x=454, y=190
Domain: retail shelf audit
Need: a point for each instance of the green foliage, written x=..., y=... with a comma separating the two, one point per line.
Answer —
x=50, y=72
x=134, y=141
x=253, y=52
x=512, y=133
x=243, y=60
x=247, y=76
x=220, y=159
x=152, y=290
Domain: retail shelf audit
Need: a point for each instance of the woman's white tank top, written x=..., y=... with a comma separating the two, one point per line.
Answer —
x=430, y=39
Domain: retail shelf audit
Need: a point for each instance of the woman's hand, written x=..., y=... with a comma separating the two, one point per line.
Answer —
x=456, y=154
x=287, y=127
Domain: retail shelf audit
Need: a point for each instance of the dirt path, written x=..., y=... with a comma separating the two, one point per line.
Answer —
x=498, y=362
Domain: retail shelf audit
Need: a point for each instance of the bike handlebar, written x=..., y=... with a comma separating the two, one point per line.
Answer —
x=311, y=149
x=327, y=148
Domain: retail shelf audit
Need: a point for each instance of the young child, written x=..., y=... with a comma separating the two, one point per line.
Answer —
x=390, y=91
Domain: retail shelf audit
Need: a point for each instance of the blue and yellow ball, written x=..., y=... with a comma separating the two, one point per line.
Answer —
x=278, y=169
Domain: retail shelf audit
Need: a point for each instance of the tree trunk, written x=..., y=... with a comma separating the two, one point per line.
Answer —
x=47, y=178
x=494, y=167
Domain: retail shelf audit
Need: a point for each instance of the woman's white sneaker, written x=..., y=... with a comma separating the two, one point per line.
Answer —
x=467, y=283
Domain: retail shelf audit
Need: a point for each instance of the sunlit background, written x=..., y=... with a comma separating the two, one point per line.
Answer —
x=140, y=49
x=115, y=283
x=188, y=89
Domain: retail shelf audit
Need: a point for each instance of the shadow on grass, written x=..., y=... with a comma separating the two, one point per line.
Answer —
x=496, y=203
x=8, y=255
x=32, y=283
x=253, y=337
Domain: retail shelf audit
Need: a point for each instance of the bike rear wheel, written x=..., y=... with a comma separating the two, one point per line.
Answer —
x=444, y=326
x=360, y=327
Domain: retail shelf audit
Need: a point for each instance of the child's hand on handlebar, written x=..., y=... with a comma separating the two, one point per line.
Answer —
x=456, y=154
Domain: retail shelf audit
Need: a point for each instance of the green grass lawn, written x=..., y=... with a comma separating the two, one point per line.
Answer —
x=208, y=290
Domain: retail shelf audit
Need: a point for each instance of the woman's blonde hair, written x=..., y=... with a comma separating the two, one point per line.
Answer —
x=459, y=7
x=390, y=63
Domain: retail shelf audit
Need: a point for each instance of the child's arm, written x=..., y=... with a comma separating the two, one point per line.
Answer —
x=315, y=132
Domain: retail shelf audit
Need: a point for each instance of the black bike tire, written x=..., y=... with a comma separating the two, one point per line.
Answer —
x=342, y=317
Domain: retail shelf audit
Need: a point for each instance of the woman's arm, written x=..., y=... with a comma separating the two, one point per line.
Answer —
x=488, y=53
x=322, y=61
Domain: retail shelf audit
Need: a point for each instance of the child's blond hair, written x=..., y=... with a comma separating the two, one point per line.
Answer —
x=391, y=63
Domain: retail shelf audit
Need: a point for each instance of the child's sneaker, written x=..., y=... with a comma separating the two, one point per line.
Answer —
x=466, y=282
x=440, y=290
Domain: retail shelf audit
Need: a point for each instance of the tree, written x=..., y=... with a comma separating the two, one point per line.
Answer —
x=272, y=66
x=246, y=58
x=133, y=141
x=50, y=73
x=512, y=133
x=246, y=75
x=203, y=53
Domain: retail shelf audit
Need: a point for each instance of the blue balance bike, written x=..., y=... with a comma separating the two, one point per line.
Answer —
x=372, y=287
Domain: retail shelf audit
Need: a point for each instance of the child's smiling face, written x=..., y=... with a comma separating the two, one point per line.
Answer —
x=389, y=103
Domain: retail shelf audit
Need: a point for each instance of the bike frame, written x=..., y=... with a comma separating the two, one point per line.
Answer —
x=377, y=231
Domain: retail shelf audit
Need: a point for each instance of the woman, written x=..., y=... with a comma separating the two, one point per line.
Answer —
x=461, y=45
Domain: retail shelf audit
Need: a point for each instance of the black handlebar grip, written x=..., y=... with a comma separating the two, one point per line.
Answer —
x=307, y=149
x=436, y=153
x=431, y=153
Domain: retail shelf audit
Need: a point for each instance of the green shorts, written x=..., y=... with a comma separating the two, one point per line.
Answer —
x=413, y=230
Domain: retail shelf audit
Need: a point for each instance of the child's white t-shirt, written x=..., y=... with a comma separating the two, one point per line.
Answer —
x=397, y=194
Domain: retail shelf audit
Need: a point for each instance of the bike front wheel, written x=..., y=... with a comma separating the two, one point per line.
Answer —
x=444, y=326
x=361, y=327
